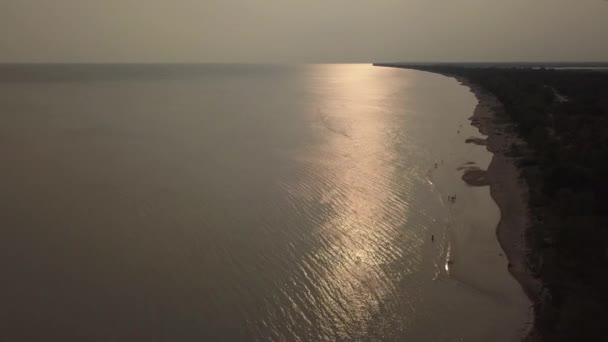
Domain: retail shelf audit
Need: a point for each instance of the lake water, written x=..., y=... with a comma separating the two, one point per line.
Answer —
x=245, y=203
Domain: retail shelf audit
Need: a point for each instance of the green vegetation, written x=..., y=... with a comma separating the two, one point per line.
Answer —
x=563, y=117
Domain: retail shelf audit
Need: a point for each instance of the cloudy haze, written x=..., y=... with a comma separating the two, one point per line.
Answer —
x=302, y=31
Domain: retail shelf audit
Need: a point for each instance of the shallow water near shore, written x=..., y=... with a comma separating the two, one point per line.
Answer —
x=242, y=202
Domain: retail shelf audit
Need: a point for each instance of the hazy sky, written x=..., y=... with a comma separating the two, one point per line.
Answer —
x=301, y=31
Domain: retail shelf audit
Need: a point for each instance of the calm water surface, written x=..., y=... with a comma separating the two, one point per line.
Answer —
x=233, y=203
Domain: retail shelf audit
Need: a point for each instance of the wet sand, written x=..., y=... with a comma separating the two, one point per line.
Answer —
x=476, y=177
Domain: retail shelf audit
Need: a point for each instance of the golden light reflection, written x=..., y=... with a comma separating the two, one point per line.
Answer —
x=357, y=150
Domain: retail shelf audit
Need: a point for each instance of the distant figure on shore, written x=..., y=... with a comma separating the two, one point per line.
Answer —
x=433, y=238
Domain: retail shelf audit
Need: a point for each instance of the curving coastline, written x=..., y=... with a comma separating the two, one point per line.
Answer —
x=507, y=189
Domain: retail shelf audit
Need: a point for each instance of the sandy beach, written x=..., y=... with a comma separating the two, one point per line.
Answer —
x=508, y=190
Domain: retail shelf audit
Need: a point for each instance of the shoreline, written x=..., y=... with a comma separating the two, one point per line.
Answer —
x=507, y=189
x=554, y=112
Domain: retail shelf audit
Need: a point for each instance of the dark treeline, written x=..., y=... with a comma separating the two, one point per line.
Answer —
x=562, y=115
